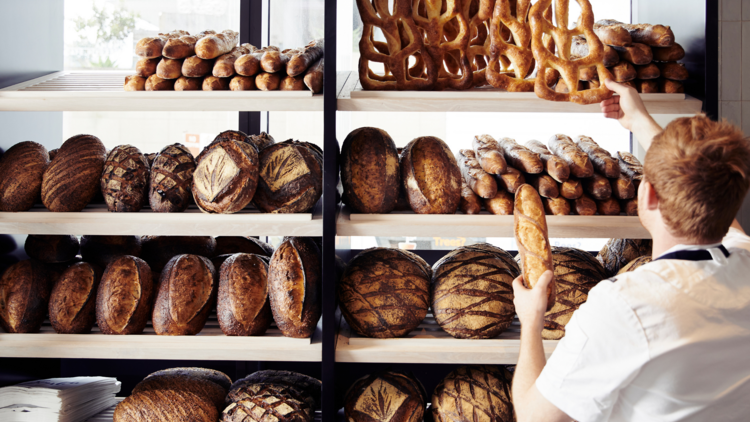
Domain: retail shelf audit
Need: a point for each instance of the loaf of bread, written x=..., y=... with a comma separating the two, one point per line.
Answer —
x=151, y=47
x=576, y=272
x=261, y=141
x=274, y=61
x=124, y=297
x=672, y=53
x=571, y=189
x=225, y=177
x=396, y=284
x=184, y=83
x=182, y=382
x=636, y=53
x=224, y=64
x=187, y=291
x=618, y=252
x=511, y=180
x=530, y=228
x=630, y=207
x=470, y=202
x=307, y=388
x=184, y=46
x=623, y=72
x=260, y=402
x=650, y=86
x=634, y=264
x=369, y=171
x=489, y=154
x=478, y=180
x=169, y=68
x=242, y=305
x=290, y=177
x=629, y=165
x=544, y=184
x=555, y=166
x=668, y=86
x=610, y=206
x=647, y=72
x=124, y=181
x=72, y=178
x=166, y=406
x=242, y=83
x=295, y=286
x=472, y=293
x=101, y=250
x=292, y=83
x=611, y=32
x=623, y=187
x=268, y=81
x=521, y=157
x=673, y=71
x=584, y=205
x=214, y=45
x=145, y=68
x=22, y=168
x=212, y=83
x=652, y=35
x=72, y=304
x=598, y=187
x=24, y=295
x=158, y=250
x=157, y=83
x=431, y=177
x=580, y=48
x=195, y=67
x=474, y=390
x=578, y=161
x=303, y=58
x=171, y=179
x=51, y=248
x=217, y=377
x=134, y=83
x=249, y=64
x=241, y=244
x=556, y=206
x=386, y=396
x=602, y=160
x=500, y=204
x=314, y=76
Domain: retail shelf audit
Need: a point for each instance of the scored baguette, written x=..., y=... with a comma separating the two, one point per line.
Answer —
x=544, y=184
x=249, y=64
x=155, y=83
x=188, y=84
x=305, y=57
x=470, y=202
x=184, y=46
x=623, y=187
x=292, y=83
x=214, y=45
x=275, y=61
x=556, y=206
x=630, y=207
x=584, y=205
x=212, y=83
x=521, y=157
x=169, y=68
x=511, y=180
x=530, y=229
x=135, y=83
x=500, y=204
x=578, y=161
x=608, y=207
x=151, y=47
x=489, y=154
x=630, y=165
x=637, y=53
x=672, y=53
x=242, y=83
x=314, y=76
x=477, y=179
x=597, y=186
x=146, y=67
x=268, y=81
x=224, y=65
x=555, y=166
x=195, y=67
x=602, y=160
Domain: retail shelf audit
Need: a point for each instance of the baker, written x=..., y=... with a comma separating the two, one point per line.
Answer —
x=669, y=341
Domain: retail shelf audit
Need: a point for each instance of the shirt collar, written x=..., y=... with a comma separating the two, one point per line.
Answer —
x=689, y=248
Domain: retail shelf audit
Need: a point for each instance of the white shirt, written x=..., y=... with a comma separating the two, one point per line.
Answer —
x=669, y=341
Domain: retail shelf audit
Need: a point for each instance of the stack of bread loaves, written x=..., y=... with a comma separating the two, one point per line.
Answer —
x=211, y=61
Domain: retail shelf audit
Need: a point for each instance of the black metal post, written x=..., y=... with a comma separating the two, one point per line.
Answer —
x=711, y=102
x=251, y=30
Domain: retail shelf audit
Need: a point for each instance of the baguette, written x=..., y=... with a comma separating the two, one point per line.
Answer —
x=511, y=180
x=649, y=86
x=135, y=83
x=598, y=187
x=556, y=206
x=249, y=64
x=146, y=67
x=608, y=207
x=195, y=67
x=602, y=160
x=155, y=83
x=630, y=207
x=555, y=166
x=623, y=187
x=521, y=157
x=268, y=81
x=584, y=205
x=672, y=53
x=636, y=53
x=571, y=189
x=224, y=65
x=242, y=83
x=151, y=47
x=668, y=86
x=292, y=83
x=212, y=83
x=673, y=71
x=623, y=72
x=274, y=61
x=470, y=203
x=214, y=45
x=169, y=69
x=184, y=46
x=580, y=48
x=629, y=165
x=489, y=155
x=477, y=179
x=500, y=204
x=188, y=84
x=611, y=32
x=314, y=76
x=544, y=184
x=305, y=57
x=651, y=35
x=530, y=228
x=578, y=161
x=649, y=71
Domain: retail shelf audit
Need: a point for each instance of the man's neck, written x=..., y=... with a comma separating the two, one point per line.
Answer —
x=664, y=241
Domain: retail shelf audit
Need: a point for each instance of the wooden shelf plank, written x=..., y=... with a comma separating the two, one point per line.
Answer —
x=353, y=98
x=95, y=220
x=103, y=91
x=402, y=223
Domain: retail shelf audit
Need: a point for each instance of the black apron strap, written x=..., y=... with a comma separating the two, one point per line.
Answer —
x=697, y=255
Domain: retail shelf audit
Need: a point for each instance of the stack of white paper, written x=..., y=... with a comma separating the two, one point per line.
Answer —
x=57, y=399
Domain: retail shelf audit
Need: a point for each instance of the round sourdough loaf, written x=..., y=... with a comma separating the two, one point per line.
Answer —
x=24, y=295
x=291, y=177
x=576, y=272
x=166, y=406
x=51, y=248
x=242, y=305
x=472, y=291
x=431, y=177
x=386, y=396
x=225, y=177
x=294, y=283
x=72, y=179
x=369, y=171
x=124, y=181
x=184, y=382
x=241, y=244
x=171, y=179
x=217, y=377
x=267, y=402
x=72, y=304
x=618, y=252
x=384, y=292
x=474, y=390
x=158, y=250
x=21, y=171
x=101, y=250
x=634, y=264
x=304, y=386
x=187, y=291
x=123, y=301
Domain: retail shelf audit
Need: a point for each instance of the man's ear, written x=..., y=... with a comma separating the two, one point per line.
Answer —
x=650, y=199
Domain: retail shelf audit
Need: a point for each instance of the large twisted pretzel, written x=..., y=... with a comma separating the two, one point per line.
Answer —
x=511, y=61
x=445, y=45
x=563, y=37
x=403, y=40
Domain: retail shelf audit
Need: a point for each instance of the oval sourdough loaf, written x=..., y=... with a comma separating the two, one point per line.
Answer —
x=268, y=402
x=370, y=171
x=474, y=390
x=101, y=250
x=242, y=306
x=307, y=387
x=618, y=252
x=294, y=283
x=123, y=301
x=634, y=264
x=187, y=291
x=51, y=248
x=158, y=250
x=24, y=294
x=166, y=406
x=472, y=291
x=291, y=177
x=576, y=272
x=72, y=304
x=384, y=292
x=431, y=177
x=125, y=179
x=241, y=244
x=72, y=179
x=386, y=396
x=217, y=377
x=183, y=382
x=225, y=177
x=171, y=179
x=21, y=170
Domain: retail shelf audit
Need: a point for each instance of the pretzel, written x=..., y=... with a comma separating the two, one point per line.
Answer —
x=443, y=45
x=376, y=13
x=511, y=62
x=562, y=36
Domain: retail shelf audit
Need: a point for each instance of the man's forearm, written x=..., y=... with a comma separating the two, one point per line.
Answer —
x=645, y=129
x=531, y=361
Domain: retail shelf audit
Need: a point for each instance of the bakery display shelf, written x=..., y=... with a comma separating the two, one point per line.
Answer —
x=209, y=344
x=103, y=91
x=407, y=223
x=351, y=97
x=96, y=220
x=430, y=344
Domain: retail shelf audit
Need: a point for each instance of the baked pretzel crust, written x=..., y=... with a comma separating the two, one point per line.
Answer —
x=511, y=61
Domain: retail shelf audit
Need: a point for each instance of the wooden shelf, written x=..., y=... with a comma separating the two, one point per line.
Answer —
x=103, y=91
x=403, y=223
x=209, y=344
x=351, y=97
x=96, y=220
x=430, y=344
